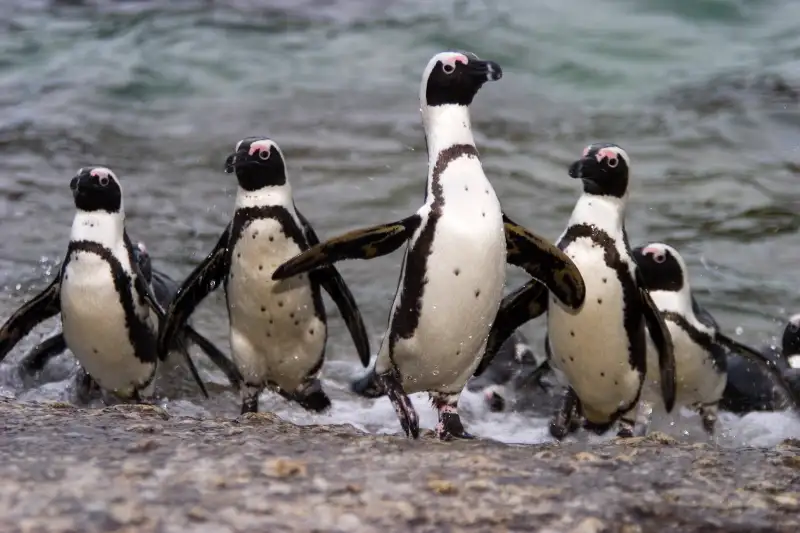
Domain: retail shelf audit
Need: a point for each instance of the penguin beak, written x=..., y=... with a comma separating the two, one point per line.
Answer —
x=230, y=163
x=81, y=181
x=485, y=70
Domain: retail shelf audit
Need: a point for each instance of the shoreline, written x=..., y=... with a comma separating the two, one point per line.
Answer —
x=136, y=468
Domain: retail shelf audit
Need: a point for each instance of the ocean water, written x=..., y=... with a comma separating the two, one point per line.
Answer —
x=703, y=94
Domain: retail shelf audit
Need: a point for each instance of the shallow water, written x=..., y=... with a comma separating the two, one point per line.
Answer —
x=704, y=95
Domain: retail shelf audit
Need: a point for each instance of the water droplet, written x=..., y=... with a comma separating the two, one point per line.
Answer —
x=739, y=330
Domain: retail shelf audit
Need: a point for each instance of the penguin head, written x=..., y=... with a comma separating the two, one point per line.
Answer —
x=455, y=78
x=96, y=189
x=661, y=266
x=604, y=169
x=258, y=163
x=790, y=343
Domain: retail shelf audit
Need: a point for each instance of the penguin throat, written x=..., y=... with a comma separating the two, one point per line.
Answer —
x=605, y=212
x=445, y=126
x=101, y=227
x=677, y=301
x=274, y=195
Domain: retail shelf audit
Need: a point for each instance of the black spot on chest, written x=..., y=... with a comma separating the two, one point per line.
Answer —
x=633, y=319
x=407, y=314
x=140, y=334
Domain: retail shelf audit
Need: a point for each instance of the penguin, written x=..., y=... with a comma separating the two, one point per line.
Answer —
x=164, y=289
x=278, y=330
x=601, y=349
x=749, y=388
x=107, y=308
x=453, y=271
x=700, y=347
x=516, y=379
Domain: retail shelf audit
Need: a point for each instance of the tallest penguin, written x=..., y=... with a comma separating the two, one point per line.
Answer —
x=453, y=272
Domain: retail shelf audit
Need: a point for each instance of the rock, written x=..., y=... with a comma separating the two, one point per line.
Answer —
x=70, y=469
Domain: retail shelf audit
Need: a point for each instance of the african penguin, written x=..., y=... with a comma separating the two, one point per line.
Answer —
x=700, y=348
x=164, y=289
x=453, y=271
x=278, y=330
x=601, y=349
x=104, y=300
x=749, y=388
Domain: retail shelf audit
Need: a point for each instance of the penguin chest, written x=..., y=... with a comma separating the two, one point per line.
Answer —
x=697, y=378
x=278, y=328
x=592, y=348
x=452, y=289
x=97, y=327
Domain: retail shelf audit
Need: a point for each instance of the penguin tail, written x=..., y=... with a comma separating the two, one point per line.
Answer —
x=368, y=385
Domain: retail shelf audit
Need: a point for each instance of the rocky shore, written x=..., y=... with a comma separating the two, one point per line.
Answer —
x=136, y=468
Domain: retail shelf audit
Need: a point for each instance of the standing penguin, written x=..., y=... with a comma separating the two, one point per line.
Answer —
x=278, y=330
x=700, y=348
x=453, y=271
x=164, y=289
x=601, y=349
x=104, y=300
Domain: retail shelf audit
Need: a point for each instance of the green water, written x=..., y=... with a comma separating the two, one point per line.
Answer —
x=704, y=95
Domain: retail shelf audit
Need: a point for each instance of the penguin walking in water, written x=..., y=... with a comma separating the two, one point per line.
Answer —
x=104, y=300
x=601, y=349
x=453, y=271
x=748, y=388
x=700, y=348
x=164, y=289
x=278, y=330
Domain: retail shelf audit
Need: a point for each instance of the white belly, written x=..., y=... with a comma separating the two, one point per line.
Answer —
x=696, y=378
x=275, y=334
x=94, y=325
x=591, y=347
x=465, y=277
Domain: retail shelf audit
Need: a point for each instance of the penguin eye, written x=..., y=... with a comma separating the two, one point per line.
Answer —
x=612, y=163
x=103, y=180
x=659, y=258
x=448, y=68
x=263, y=155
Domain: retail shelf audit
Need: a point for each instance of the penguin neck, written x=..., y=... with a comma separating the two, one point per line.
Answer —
x=676, y=301
x=277, y=195
x=446, y=125
x=605, y=212
x=101, y=227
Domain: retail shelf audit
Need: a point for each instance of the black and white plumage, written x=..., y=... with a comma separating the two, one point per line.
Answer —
x=108, y=312
x=164, y=289
x=600, y=349
x=701, y=349
x=278, y=330
x=453, y=271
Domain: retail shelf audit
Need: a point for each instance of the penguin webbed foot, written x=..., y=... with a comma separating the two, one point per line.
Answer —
x=565, y=420
x=409, y=420
x=449, y=426
x=708, y=416
x=86, y=388
x=368, y=386
x=250, y=395
x=312, y=397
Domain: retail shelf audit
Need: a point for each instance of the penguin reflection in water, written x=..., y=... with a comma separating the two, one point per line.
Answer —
x=106, y=305
x=278, y=330
x=700, y=348
x=164, y=289
x=601, y=349
x=453, y=270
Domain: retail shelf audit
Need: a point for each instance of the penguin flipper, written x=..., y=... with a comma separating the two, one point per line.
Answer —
x=764, y=364
x=40, y=355
x=524, y=304
x=44, y=305
x=365, y=243
x=662, y=340
x=217, y=357
x=546, y=263
x=206, y=276
x=333, y=283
